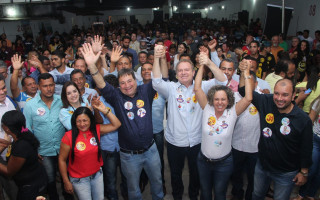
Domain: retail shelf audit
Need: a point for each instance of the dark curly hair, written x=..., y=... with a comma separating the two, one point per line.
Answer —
x=212, y=91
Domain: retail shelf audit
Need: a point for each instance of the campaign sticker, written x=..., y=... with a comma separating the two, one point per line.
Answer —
x=219, y=130
x=270, y=118
x=86, y=85
x=285, y=121
x=128, y=105
x=218, y=143
x=180, y=98
x=253, y=110
x=224, y=125
x=140, y=103
x=70, y=112
x=93, y=141
x=141, y=112
x=267, y=132
x=188, y=99
x=156, y=96
x=81, y=146
x=285, y=130
x=41, y=111
x=130, y=115
x=211, y=121
x=194, y=99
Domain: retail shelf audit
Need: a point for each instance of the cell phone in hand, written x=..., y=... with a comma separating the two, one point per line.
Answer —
x=308, y=91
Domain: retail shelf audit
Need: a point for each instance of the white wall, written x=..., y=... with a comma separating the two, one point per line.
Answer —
x=301, y=18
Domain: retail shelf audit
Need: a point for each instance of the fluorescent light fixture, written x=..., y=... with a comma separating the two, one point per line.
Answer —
x=222, y=7
x=128, y=9
x=210, y=8
x=11, y=12
x=188, y=5
x=206, y=9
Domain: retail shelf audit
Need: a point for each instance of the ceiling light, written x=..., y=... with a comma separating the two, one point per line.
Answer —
x=11, y=12
x=188, y=5
x=128, y=9
x=222, y=7
x=206, y=9
x=210, y=8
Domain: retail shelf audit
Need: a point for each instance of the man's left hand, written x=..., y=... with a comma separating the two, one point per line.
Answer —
x=299, y=179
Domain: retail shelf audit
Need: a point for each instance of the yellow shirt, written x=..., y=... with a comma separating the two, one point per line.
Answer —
x=314, y=94
x=272, y=80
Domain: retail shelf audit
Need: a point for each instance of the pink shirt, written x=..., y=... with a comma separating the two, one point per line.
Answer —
x=233, y=85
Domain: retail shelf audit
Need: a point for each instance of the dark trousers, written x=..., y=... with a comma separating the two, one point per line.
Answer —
x=243, y=161
x=176, y=158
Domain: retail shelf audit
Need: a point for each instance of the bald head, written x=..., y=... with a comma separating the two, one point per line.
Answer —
x=285, y=83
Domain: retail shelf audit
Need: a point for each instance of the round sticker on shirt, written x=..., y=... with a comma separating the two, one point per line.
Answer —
x=128, y=105
x=253, y=110
x=269, y=58
x=180, y=98
x=285, y=130
x=93, y=141
x=28, y=99
x=86, y=85
x=194, y=99
x=141, y=112
x=224, y=125
x=218, y=143
x=188, y=99
x=270, y=118
x=130, y=115
x=219, y=130
x=262, y=60
x=140, y=103
x=285, y=121
x=70, y=112
x=156, y=96
x=41, y=111
x=211, y=121
x=81, y=146
x=228, y=55
x=267, y=132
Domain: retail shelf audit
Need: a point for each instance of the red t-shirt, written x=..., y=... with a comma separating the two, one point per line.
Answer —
x=86, y=160
x=246, y=50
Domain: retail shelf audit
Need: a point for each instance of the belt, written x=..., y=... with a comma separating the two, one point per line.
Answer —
x=215, y=160
x=137, y=151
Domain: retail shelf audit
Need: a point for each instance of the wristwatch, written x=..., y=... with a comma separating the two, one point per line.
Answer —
x=247, y=77
x=305, y=174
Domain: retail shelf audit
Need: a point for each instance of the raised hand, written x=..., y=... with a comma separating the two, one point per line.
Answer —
x=212, y=44
x=34, y=61
x=97, y=44
x=204, y=59
x=159, y=51
x=116, y=54
x=104, y=52
x=88, y=54
x=243, y=65
x=204, y=49
x=16, y=62
x=99, y=106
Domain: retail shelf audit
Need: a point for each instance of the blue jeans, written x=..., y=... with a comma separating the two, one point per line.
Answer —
x=313, y=183
x=214, y=175
x=176, y=158
x=90, y=187
x=132, y=165
x=243, y=161
x=111, y=160
x=282, y=183
x=50, y=165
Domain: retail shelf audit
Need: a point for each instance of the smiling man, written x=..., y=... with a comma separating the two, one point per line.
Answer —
x=133, y=107
x=285, y=145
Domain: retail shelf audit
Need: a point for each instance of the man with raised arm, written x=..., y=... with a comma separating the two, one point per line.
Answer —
x=183, y=131
x=132, y=105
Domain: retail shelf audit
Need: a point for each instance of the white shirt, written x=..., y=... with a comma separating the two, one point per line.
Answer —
x=138, y=74
x=5, y=107
x=316, y=124
x=246, y=135
x=58, y=87
x=217, y=133
x=184, y=112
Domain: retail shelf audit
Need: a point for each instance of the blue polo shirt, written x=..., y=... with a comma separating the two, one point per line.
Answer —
x=135, y=114
x=109, y=142
x=45, y=124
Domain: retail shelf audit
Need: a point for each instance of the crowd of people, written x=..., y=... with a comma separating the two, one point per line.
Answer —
x=85, y=104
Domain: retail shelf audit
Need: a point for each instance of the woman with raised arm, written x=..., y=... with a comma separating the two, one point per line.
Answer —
x=81, y=147
x=220, y=113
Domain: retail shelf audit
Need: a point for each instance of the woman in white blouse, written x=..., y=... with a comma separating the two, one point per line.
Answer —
x=220, y=113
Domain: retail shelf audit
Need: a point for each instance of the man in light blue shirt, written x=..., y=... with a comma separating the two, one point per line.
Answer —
x=78, y=77
x=42, y=118
x=183, y=131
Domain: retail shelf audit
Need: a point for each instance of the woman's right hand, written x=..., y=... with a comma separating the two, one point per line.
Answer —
x=68, y=187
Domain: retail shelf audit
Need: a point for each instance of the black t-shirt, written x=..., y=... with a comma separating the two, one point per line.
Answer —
x=285, y=143
x=261, y=65
x=32, y=170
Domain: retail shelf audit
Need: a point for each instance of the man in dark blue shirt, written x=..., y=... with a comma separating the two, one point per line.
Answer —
x=133, y=107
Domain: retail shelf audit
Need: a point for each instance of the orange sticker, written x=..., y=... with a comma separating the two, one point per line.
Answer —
x=81, y=146
x=253, y=110
x=71, y=112
x=140, y=103
x=156, y=96
x=270, y=118
x=211, y=121
x=194, y=99
x=86, y=85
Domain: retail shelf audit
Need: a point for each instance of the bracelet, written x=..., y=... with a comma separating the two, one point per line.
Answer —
x=305, y=174
x=95, y=73
x=108, y=111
